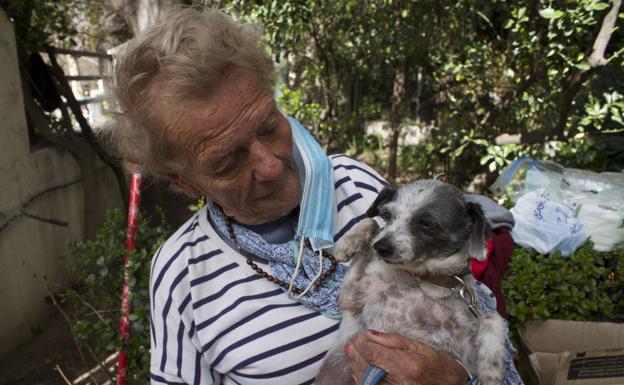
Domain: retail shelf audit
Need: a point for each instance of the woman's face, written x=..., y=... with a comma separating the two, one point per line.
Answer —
x=241, y=151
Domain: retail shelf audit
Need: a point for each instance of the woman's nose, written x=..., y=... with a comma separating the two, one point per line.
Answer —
x=266, y=166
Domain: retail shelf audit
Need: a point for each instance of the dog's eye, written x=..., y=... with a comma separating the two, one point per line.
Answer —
x=385, y=215
x=426, y=224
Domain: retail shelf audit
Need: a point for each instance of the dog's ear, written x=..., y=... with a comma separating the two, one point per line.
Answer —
x=386, y=195
x=481, y=232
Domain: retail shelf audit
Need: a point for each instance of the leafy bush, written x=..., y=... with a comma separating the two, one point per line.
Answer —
x=96, y=300
x=585, y=286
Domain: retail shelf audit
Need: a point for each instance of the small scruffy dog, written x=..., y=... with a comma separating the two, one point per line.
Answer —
x=409, y=281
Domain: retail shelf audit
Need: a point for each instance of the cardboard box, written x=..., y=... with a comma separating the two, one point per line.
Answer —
x=556, y=352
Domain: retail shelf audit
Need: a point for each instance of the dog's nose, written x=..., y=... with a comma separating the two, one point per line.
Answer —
x=383, y=247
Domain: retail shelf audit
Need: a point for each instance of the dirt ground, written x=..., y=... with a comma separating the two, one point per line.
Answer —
x=36, y=362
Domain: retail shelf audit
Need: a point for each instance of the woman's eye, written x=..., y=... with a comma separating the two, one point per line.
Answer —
x=269, y=131
x=385, y=215
x=226, y=169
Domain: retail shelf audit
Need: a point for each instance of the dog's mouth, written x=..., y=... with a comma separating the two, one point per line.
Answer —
x=395, y=260
x=391, y=260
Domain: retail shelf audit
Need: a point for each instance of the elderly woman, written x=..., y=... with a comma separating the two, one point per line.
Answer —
x=246, y=291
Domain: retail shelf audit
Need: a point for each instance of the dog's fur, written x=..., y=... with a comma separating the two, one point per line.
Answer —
x=430, y=230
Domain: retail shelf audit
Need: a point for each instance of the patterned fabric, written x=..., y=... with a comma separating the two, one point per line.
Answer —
x=282, y=261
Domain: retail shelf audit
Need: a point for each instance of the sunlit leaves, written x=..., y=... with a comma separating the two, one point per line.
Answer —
x=550, y=13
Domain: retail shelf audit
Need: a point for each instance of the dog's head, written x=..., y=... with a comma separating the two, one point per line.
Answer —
x=430, y=228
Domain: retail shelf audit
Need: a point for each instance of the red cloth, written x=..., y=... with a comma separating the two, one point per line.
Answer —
x=492, y=270
x=478, y=267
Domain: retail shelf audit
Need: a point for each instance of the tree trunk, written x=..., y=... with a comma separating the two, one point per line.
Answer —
x=398, y=96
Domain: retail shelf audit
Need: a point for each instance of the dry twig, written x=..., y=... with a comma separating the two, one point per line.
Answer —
x=58, y=369
x=69, y=323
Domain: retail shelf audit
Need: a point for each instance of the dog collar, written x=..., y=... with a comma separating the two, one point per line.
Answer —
x=456, y=284
x=446, y=281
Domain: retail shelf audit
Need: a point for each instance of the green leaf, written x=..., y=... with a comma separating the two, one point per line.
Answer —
x=583, y=66
x=458, y=151
x=599, y=6
x=550, y=13
x=521, y=12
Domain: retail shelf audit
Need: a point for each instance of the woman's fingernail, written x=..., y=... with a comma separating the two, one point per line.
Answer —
x=374, y=332
x=346, y=348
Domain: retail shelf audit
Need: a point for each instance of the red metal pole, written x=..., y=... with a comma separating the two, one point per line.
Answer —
x=124, y=321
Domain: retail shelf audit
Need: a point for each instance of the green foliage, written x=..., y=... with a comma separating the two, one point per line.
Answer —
x=40, y=22
x=65, y=24
x=96, y=301
x=473, y=69
x=585, y=286
x=294, y=104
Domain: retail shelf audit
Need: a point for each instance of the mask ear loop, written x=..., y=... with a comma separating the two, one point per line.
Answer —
x=316, y=277
x=297, y=267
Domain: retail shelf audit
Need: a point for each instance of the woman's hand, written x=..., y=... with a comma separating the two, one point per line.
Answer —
x=407, y=362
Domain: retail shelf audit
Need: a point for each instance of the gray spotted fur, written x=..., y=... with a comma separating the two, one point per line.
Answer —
x=430, y=229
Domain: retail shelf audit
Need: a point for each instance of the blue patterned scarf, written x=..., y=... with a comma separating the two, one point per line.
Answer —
x=281, y=258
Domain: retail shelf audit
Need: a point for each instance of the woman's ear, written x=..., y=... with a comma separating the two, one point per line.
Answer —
x=481, y=232
x=386, y=195
x=186, y=187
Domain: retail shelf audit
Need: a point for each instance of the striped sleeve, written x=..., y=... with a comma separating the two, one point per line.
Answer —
x=175, y=357
x=356, y=187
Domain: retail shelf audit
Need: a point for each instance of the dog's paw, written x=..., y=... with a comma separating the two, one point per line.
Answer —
x=491, y=341
x=356, y=239
x=346, y=250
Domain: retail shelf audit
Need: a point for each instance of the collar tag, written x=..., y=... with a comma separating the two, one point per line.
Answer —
x=467, y=295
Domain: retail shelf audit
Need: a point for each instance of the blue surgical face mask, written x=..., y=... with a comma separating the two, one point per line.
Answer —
x=316, y=208
x=316, y=177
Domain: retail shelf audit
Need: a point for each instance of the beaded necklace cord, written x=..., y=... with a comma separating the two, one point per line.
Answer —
x=269, y=277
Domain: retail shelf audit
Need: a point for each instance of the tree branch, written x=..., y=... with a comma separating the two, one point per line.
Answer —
x=65, y=90
x=571, y=86
x=602, y=40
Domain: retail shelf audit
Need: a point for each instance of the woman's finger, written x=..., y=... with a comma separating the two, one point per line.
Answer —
x=389, y=340
x=358, y=363
x=406, y=361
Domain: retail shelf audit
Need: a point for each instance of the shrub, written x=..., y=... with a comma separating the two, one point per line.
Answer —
x=585, y=286
x=96, y=300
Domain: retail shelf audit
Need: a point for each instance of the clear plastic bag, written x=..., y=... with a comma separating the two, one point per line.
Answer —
x=525, y=175
x=596, y=200
x=603, y=217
